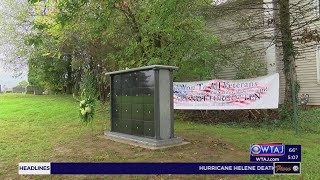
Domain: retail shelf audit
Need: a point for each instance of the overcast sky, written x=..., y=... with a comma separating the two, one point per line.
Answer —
x=6, y=78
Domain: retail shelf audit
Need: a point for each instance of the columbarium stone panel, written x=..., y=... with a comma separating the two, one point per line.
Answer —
x=142, y=105
x=132, y=101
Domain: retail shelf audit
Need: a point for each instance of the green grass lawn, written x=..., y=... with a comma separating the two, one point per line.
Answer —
x=47, y=128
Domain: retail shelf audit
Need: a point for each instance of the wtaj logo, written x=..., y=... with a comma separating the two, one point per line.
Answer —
x=267, y=149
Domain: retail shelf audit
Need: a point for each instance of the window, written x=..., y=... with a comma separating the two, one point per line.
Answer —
x=218, y=2
x=317, y=7
x=318, y=63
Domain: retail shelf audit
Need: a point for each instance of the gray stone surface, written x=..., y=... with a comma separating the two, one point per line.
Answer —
x=164, y=104
x=143, y=68
x=144, y=141
x=18, y=89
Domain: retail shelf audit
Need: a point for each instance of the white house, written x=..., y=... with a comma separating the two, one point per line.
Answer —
x=255, y=26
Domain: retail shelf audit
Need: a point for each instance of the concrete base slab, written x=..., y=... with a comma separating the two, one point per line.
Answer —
x=144, y=142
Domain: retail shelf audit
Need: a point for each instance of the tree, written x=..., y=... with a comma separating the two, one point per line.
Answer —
x=15, y=22
x=72, y=38
x=23, y=83
x=288, y=50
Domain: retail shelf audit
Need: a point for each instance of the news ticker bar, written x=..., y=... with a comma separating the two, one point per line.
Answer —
x=158, y=168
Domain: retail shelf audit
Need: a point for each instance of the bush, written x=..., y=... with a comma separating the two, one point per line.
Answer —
x=87, y=109
x=88, y=97
x=228, y=116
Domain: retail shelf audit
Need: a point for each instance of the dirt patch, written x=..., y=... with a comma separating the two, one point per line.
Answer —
x=62, y=150
x=145, y=146
x=202, y=148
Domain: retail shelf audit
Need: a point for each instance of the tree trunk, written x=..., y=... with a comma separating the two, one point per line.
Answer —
x=103, y=96
x=288, y=50
x=70, y=83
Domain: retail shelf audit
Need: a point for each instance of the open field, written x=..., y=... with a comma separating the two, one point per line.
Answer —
x=47, y=128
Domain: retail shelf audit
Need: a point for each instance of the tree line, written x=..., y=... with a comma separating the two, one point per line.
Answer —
x=69, y=45
x=73, y=43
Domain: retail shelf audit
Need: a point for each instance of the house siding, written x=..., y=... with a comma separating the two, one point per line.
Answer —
x=306, y=63
x=227, y=29
x=306, y=60
x=282, y=81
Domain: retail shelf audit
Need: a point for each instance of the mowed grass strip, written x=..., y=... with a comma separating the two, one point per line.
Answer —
x=47, y=128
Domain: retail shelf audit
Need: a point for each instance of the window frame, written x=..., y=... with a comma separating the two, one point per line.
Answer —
x=317, y=7
x=318, y=63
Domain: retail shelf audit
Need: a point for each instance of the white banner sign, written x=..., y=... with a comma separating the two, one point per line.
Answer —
x=256, y=93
